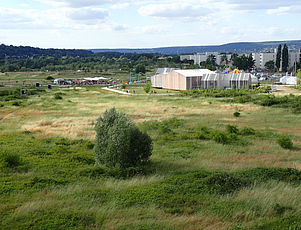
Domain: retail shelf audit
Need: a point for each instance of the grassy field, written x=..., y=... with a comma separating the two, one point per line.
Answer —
x=48, y=177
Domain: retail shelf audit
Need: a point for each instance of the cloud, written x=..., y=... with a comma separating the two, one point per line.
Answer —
x=119, y=6
x=120, y=27
x=87, y=14
x=279, y=10
x=175, y=10
x=75, y=3
x=262, y=4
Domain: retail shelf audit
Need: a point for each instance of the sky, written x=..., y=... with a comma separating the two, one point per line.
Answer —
x=87, y=24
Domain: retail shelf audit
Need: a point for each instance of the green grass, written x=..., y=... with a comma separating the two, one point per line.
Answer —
x=49, y=180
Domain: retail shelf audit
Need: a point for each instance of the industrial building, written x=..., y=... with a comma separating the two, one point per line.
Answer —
x=200, y=79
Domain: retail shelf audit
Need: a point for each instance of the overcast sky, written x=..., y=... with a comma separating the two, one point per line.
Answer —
x=145, y=23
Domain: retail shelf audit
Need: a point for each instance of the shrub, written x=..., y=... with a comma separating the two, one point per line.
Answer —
x=247, y=131
x=123, y=86
x=147, y=87
x=57, y=96
x=10, y=160
x=220, y=137
x=285, y=142
x=119, y=142
x=236, y=114
x=49, y=78
x=232, y=129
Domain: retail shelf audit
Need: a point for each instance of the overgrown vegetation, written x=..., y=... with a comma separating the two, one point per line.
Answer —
x=208, y=169
x=250, y=95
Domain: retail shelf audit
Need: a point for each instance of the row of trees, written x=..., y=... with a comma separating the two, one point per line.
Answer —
x=242, y=62
x=99, y=62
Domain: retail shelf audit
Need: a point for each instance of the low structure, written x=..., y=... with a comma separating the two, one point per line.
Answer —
x=200, y=79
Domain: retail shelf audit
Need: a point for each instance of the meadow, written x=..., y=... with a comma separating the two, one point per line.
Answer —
x=49, y=180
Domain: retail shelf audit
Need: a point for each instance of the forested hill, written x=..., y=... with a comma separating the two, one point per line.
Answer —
x=27, y=51
x=239, y=47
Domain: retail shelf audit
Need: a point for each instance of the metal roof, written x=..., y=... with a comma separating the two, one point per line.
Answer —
x=194, y=72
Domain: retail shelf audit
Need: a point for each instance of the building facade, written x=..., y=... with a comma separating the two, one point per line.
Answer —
x=200, y=79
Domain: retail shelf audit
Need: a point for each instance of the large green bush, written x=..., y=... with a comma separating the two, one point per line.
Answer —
x=285, y=142
x=119, y=142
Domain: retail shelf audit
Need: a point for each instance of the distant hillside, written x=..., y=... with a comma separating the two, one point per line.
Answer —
x=27, y=51
x=238, y=47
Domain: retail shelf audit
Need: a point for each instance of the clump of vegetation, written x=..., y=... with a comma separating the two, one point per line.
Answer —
x=285, y=142
x=58, y=96
x=236, y=114
x=10, y=160
x=119, y=142
x=147, y=87
x=220, y=137
x=247, y=131
x=232, y=129
x=49, y=78
x=123, y=86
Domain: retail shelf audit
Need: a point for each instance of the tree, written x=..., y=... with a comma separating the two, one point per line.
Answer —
x=278, y=57
x=299, y=75
x=148, y=87
x=211, y=60
x=243, y=62
x=270, y=65
x=119, y=142
x=140, y=69
x=284, y=58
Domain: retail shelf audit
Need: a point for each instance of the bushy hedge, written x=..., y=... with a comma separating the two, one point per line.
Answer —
x=119, y=142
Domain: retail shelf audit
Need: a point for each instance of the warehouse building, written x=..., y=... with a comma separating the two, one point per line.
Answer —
x=200, y=79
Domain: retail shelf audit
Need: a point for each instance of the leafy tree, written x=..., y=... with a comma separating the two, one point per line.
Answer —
x=243, y=62
x=147, y=87
x=278, y=57
x=284, y=58
x=119, y=142
x=270, y=65
x=140, y=69
x=299, y=75
x=211, y=60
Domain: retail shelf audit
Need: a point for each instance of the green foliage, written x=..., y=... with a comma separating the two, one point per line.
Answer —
x=221, y=137
x=140, y=68
x=119, y=143
x=123, y=86
x=247, y=131
x=243, y=62
x=49, y=78
x=232, y=129
x=147, y=87
x=236, y=114
x=285, y=142
x=58, y=96
x=285, y=58
x=278, y=57
x=10, y=159
x=270, y=65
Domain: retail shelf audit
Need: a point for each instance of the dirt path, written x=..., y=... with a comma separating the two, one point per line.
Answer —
x=285, y=90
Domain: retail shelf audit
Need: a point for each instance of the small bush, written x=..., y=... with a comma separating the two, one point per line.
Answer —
x=232, y=129
x=16, y=103
x=247, y=131
x=236, y=114
x=49, y=78
x=220, y=137
x=285, y=142
x=147, y=87
x=10, y=160
x=119, y=142
x=57, y=96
